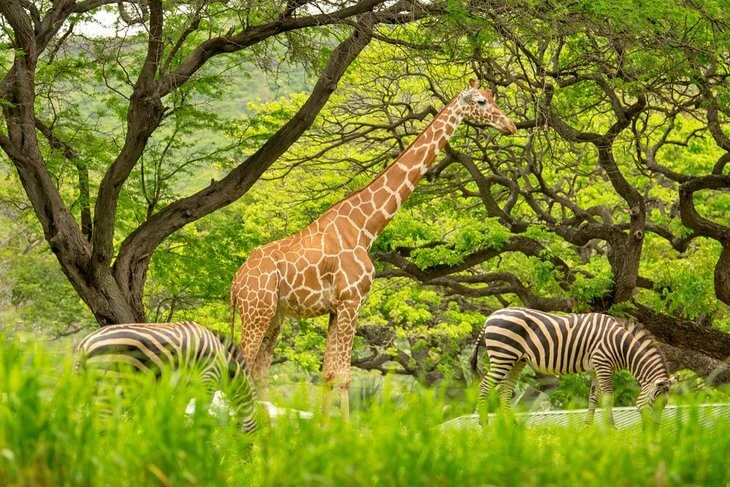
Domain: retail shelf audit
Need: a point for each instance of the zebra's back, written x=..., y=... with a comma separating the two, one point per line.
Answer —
x=148, y=347
x=550, y=343
x=160, y=347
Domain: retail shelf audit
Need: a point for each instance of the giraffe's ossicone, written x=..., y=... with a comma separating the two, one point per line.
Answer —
x=325, y=268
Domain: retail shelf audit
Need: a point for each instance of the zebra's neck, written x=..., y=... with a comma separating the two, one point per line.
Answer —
x=642, y=358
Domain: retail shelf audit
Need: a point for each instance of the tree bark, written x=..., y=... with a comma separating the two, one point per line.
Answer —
x=684, y=334
x=708, y=228
x=715, y=372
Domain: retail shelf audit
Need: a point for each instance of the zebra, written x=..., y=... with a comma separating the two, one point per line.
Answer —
x=158, y=348
x=567, y=344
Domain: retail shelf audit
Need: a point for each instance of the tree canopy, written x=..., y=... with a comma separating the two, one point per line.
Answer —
x=151, y=183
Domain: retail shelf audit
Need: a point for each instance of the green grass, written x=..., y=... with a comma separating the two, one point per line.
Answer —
x=50, y=434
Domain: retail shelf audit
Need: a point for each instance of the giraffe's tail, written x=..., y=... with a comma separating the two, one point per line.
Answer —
x=232, y=313
x=474, y=358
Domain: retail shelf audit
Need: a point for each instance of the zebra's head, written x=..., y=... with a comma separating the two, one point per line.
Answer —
x=660, y=387
x=654, y=395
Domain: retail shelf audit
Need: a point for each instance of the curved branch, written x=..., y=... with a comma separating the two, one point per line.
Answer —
x=691, y=218
x=677, y=332
x=251, y=36
x=713, y=122
x=715, y=372
x=83, y=174
x=145, y=115
x=524, y=245
x=136, y=250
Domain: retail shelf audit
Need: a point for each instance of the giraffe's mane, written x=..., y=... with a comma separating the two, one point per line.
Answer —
x=386, y=168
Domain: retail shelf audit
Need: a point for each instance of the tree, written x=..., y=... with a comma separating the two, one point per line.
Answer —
x=179, y=40
x=615, y=198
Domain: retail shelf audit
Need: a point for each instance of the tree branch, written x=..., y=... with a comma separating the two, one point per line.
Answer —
x=137, y=248
x=81, y=169
x=254, y=35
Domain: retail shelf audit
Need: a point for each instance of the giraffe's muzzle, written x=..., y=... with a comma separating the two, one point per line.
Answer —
x=508, y=128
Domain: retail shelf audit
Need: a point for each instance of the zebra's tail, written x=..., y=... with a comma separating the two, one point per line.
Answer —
x=77, y=363
x=78, y=359
x=232, y=313
x=474, y=359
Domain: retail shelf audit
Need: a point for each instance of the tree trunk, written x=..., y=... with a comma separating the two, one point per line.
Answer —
x=722, y=275
x=684, y=334
x=714, y=371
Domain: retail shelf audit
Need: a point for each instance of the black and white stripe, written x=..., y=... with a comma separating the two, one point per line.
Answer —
x=567, y=344
x=162, y=347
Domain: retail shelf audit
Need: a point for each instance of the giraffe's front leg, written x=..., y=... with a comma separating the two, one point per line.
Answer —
x=338, y=353
x=327, y=369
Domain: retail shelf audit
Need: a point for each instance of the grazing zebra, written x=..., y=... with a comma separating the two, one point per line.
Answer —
x=156, y=348
x=555, y=344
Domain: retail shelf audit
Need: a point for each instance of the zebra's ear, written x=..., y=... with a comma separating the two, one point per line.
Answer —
x=665, y=384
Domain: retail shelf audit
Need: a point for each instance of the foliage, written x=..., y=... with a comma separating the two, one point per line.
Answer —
x=50, y=429
x=35, y=296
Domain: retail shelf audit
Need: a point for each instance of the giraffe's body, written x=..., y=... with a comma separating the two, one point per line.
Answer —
x=325, y=268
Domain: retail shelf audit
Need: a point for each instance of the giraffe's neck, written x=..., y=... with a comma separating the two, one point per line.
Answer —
x=371, y=208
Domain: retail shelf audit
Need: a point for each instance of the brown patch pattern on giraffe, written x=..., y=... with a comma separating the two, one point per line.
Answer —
x=325, y=268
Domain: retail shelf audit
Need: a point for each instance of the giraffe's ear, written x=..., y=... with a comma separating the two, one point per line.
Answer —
x=468, y=95
x=473, y=83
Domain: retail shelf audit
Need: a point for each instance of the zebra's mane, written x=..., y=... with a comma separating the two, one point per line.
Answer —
x=233, y=350
x=641, y=335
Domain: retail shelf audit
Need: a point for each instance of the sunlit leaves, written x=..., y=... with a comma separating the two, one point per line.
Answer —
x=594, y=285
x=684, y=283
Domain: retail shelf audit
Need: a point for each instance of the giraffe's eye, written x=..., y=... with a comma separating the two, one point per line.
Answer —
x=482, y=102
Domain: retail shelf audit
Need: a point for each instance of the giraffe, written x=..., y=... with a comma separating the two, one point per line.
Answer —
x=325, y=268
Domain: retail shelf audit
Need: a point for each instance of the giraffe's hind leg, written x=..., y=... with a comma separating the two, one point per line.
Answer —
x=265, y=354
x=257, y=298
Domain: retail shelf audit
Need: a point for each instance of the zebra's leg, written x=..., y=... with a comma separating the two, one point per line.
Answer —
x=507, y=387
x=498, y=369
x=592, y=400
x=104, y=400
x=650, y=411
x=116, y=390
x=213, y=379
x=605, y=381
x=241, y=398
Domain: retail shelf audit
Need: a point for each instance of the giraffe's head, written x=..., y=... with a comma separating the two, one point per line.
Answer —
x=479, y=107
